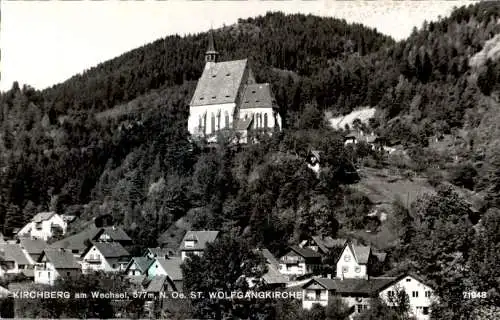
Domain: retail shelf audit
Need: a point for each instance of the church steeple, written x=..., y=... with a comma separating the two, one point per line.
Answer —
x=211, y=54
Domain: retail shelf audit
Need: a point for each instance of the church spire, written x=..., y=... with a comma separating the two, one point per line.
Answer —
x=211, y=54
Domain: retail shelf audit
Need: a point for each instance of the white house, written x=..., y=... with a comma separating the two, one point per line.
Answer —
x=299, y=261
x=195, y=242
x=421, y=296
x=354, y=262
x=354, y=293
x=54, y=264
x=170, y=268
x=359, y=293
x=43, y=226
x=105, y=256
x=138, y=266
x=227, y=93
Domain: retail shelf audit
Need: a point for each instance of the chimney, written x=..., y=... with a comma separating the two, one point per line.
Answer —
x=329, y=276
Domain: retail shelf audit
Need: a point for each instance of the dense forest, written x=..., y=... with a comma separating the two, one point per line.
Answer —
x=114, y=140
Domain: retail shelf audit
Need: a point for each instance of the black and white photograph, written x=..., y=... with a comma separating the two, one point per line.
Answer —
x=250, y=160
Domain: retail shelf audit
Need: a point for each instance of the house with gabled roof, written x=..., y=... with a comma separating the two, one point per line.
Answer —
x=355, y=293
x=195, y=242
x=14, y=260
x=43, y=226
x=34, y=247
x=323, y=244
x=78, y=243
x=227, y=94
x=158, y=252
x=171, y=268
x=299, y=261
x=420, y=294
x=354, y=261
x=54, y=264
x=272, y=278
x=105, y=256
x=112, y=234
x=138, y=266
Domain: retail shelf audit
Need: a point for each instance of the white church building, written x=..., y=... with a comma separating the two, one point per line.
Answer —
x=227, y=97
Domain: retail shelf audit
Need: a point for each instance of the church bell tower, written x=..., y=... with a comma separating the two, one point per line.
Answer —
x=211, y=54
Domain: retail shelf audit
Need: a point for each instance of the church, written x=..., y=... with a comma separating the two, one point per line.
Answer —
x=228, y=98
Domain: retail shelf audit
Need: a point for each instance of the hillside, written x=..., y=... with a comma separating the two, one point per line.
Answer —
x=114, y=140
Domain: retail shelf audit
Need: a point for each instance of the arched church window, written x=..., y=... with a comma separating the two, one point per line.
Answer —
x=200, y=123
x=213, y=123
x=265, y=120
x=226, y=115
x=218, y=120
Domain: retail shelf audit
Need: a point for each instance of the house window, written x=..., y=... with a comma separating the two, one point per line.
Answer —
x=288, y=267
x=357, y=269
x=318, y=294
x=408, y=280
x=345, y=269
x=414, y=294
x=390, y=294
x=427, y=294
x=265, y=120
x=114, y=266
x=425, y=311
x=360, y=308
x=48, y=274
x=227, y=120
x=68, y=273
x=74, y=251
x=347, y=258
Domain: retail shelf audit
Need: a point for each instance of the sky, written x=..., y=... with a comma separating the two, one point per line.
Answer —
x=46, y=42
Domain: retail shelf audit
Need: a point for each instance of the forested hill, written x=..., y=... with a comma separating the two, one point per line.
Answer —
x=304, y=44
x=114, y=140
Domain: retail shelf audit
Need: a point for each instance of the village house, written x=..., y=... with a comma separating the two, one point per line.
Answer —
x=194, y=242
x=54, y=264
x=356, y=261
x=158, y=252
x=420, y=295
x=170, y=268
x=272, y=278
x=138, y=266
x=79, y=242
x=357, y=294
x=13, y=260
x=299, y=261
x=105, y=256
x=44, y=225
x=227, y=97
x=323, y=244
x=34, y=247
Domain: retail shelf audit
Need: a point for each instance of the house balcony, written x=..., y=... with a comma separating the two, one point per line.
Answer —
x=316, y=299
x=93, y=260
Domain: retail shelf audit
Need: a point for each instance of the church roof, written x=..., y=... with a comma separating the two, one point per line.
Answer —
x=219, y=83
x=257, y=96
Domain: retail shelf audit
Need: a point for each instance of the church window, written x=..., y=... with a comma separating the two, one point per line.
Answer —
x=205, y=123
x=265, y=120
x=227, y=120
x=213, y=123
x=218, y=121
x=200, y=124
x=246, y=116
